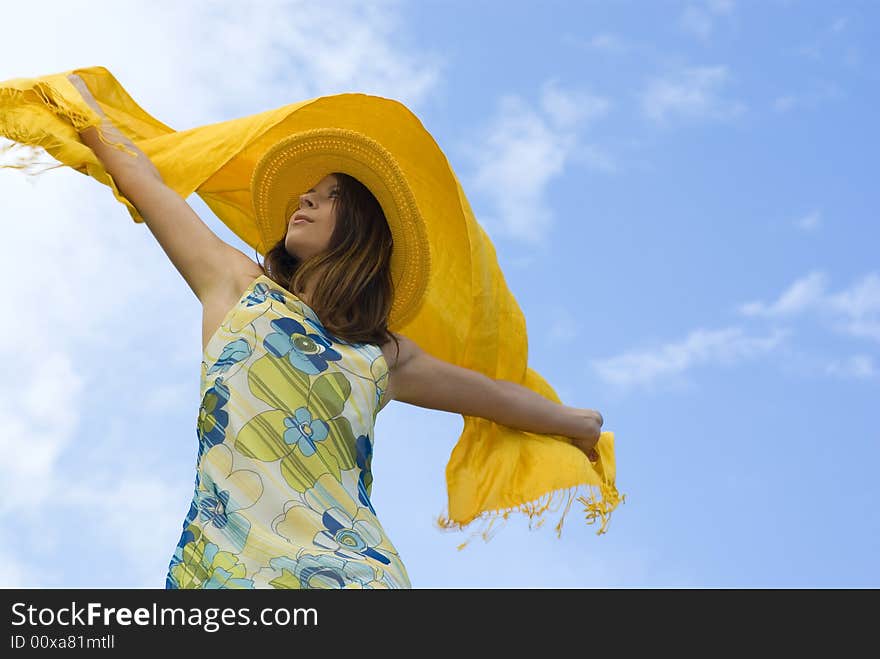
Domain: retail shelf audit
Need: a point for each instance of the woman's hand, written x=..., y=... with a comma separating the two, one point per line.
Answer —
x=587, y=426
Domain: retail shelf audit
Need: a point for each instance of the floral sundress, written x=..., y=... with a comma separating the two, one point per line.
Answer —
x=285, y=441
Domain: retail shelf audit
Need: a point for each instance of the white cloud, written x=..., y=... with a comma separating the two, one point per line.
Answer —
x=137, y=517
x=820, y=92
x=692, y=92
x=700, y=20
x=162, y=398
x=852, y=58
x=868, y=329
x=860, y=301
x=700, y=347
x=524, y=148
x=854, y=311
x=804, y=293
x=784, y=103
x=610, y=43
x=721, y=6
x=564, y=327
x=809, y=292
x=825, y=41
x=38, y=418
x=696, y=21
x=567, y=108
x=856, y=366
x=809, y=222
x=14, y=573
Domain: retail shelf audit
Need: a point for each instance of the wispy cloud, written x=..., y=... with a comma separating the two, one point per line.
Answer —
x=691, y=93
x=14, y=573
x=852, y=57
x=856, y=366
x=854, y=311
x=868, y=329
x=564, y=327
x=606, y=42
x=827, y=40
x=701, y=347
x=322, y=48
x=524, y=148
x=860, y=300
x=121, y=500
x=699, y=19
x=807, y=292
x=820, y=92
x=810, y=222
x=38, y=418
x=784, y=103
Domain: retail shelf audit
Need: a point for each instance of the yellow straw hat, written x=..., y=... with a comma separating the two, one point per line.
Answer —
x=296, y=163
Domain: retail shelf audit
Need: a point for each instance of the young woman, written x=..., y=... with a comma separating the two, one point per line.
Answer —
x=291, y=385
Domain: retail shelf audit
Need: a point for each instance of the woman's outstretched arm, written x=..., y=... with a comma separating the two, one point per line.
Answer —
x=211, y=267
x=421, y=379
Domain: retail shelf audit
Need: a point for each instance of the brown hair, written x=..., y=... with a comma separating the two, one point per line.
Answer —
x=353, y=296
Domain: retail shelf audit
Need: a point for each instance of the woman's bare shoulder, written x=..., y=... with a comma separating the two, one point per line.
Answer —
x=390, y=350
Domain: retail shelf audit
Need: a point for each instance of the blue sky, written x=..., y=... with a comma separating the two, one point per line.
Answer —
x=680, y=197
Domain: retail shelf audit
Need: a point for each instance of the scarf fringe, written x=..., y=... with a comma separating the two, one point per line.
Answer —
x=595, y=508
x=26, y=142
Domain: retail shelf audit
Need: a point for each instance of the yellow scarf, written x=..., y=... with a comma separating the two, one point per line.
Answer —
x=493, y=470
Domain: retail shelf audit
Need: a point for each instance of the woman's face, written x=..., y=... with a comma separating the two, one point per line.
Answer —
x=318, y=208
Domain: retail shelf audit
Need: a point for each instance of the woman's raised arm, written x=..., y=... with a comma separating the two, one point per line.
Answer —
x=210, y=266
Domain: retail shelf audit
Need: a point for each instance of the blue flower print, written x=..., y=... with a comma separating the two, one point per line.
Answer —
x=318, y=326
x=213, y=419
x=202, y=564
x=223, y=496
x=223, y=579
x=364, y=457
x=260, y=293
x=233, y=352
x=348, y=537
x=214, y=508
x=213, y=561
x=316, y=571
x=307, y=352
x=304, y=431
